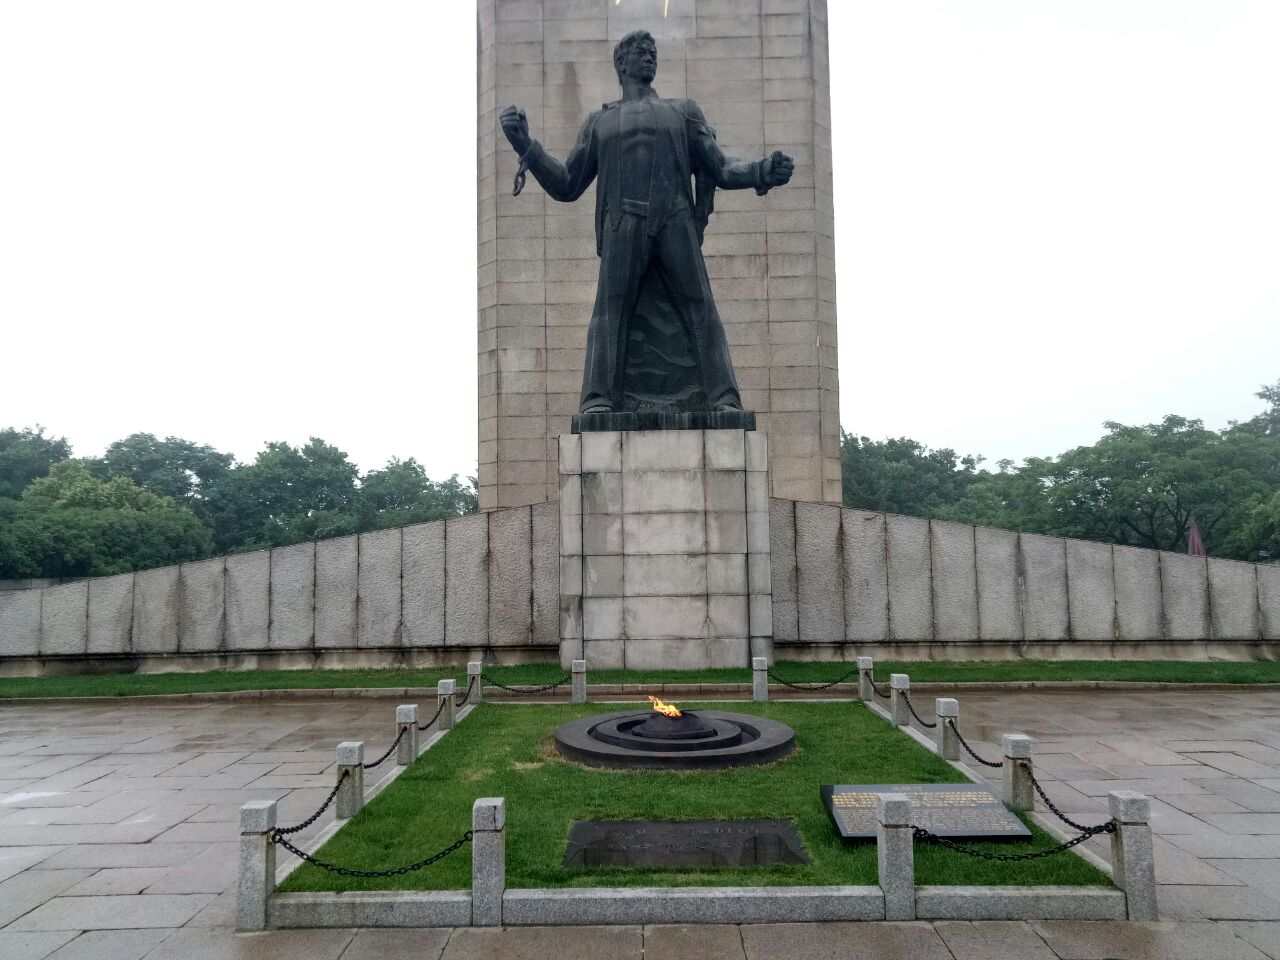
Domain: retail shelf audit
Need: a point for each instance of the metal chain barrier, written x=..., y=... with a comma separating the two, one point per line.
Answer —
x=462, y=700
x=439, y=710
x=351, y=872
x=1049, y=803
x=526, y=690
x=390, y=750
x=882, y=692
x=812, y=686
x=922, y=834
x=919, y=719
x=969, y=749
x=285, y=831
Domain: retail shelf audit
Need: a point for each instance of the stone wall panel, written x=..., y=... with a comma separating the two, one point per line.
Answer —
x=999, y=584
x=783, y=573
x=1139, y=617
x=546, y=574
x=20, y=623
x=820, y=586
x=955, y=581
x=1185, y=593
x=467, y=574
x=292, y=581
x=866, y=584
x=423, y=577
x=1091, y=590
x=510, y=577
x=1233, y=600
x=1046, y=616
x=64, y=620
x=337, y=576
x=1268, y=600
x=155, y=610
x=247, y=596
x=910, y=578
x=201, y=598
x=110, y=614
x=378, y=601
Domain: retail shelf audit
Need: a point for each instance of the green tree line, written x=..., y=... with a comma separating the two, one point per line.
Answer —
x=1137, y=485
x=148, y=502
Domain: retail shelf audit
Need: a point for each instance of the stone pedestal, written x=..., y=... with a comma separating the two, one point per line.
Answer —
x=664, y=549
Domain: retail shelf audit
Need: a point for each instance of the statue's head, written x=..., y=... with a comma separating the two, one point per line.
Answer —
x=636, y=56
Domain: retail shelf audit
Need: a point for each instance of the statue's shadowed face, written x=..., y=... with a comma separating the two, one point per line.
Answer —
x=642, y=61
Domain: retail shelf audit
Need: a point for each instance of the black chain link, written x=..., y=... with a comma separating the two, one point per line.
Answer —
x=462, y=701
x=919, y=719
x=526, y=690
x=1049, y=803
x=882, y=692
x=390, y=750
x=923, y=834
x=351, y=872
x=812, y=686
x=285, y=831
x=986, y=763
x=439, y=710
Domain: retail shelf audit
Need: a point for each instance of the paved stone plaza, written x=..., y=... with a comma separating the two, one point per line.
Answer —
x=117, y=834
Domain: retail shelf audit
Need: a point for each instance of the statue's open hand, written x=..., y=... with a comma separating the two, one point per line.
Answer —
x=516, y=126
x=778, y=169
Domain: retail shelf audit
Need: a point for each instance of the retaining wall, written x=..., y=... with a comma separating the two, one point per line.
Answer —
x=847, y=581
x=487, y=583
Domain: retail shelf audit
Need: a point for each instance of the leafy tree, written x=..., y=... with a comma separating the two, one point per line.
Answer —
x=73, y=524
x=1268, y=422
x=26, y=455
x=902, y=476
x=401, y=493
x=171, y=467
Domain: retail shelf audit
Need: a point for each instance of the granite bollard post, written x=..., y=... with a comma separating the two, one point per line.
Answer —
x=866, y=668
x=446, y=696
x=760, y=679
x=578, y=686
x=257, y=864
x=488, y=860
x=899, y=690
x=407, y=721
x=895, y=855
x=350, y=799
x=1019, y=794
x=947, y=710
x=1133, y=863
x=475, y=680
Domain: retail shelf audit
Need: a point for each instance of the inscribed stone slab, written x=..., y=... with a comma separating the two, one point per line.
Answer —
x=110, y=613
x=467, y=573
x=64, y=621
x=422, y=557
x=510, y=576
x=821, y=588
x=783, y=574
x=20, y=623
x=292, y=579
x=546, y=574
x=1185, y=594
x=866, y=585
x=955, y=581
x=999, y=594
x=910, y=589
x=1233, y=599
x=1138, y=611
x=947, y=809
x=200, y=592
x=337, y=572
x=155, y=610
x=379, y=589
x=1044, y=568
x=1091, y=591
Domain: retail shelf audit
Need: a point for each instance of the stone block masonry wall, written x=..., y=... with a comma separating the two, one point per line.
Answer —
x=486, y=584
x=847, y=582
x=760, y=72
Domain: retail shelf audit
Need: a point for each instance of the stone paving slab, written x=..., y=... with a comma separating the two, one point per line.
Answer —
x=31, y=946
x=993, y=940
x=1110, y=940
x=710, y=941
x=113, y=913
x=533, y=943
x=113, y=944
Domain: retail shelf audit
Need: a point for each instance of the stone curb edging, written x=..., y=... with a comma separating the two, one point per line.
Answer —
x=620, y=689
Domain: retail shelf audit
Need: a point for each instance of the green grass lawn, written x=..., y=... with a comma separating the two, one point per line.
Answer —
x=125, y=685
x=506, y=750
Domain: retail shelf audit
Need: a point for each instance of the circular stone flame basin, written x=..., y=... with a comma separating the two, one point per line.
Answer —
x=701, y=740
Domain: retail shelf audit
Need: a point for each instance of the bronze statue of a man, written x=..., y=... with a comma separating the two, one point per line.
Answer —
x=655, y=339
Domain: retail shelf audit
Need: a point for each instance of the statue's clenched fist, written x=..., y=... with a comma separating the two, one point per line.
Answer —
x=516, y=126
x=777, y=169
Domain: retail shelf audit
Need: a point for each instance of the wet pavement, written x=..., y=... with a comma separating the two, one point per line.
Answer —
x=118, y=834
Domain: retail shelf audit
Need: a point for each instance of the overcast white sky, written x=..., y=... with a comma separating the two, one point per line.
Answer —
x=219, y=220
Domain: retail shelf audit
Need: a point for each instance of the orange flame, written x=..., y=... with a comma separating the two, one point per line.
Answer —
x=664, y=708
